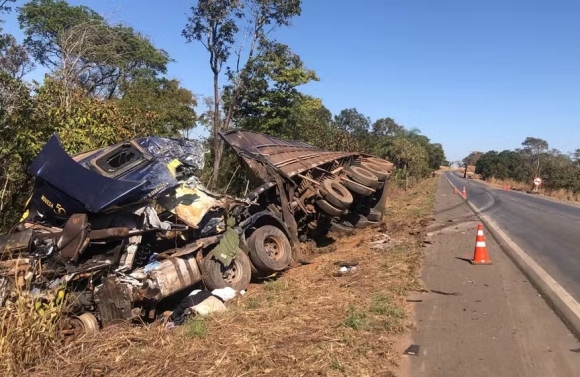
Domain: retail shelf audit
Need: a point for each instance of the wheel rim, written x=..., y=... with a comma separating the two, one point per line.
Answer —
x=273, y=247
x=232, y=273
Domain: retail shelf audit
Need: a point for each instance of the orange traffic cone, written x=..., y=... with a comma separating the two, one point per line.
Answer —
x=480, y=255
x=464, y=193
x=454, y=190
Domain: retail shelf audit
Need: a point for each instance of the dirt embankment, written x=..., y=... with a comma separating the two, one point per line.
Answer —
x=310, y=321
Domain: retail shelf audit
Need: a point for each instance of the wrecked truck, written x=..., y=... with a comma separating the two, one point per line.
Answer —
x=122, y=228
x=125, y=228
x=309, y=191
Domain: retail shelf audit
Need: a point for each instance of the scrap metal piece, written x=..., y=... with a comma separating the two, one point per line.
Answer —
x=15, y=241
x=114, y=301
x=288, y=157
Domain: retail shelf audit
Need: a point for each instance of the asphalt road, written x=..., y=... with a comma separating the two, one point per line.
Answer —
x=548, y=231
x=481, y=320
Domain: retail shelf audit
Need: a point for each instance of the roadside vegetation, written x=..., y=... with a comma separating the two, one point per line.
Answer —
x=560, y=172
x=107, y=82
x=310, y=321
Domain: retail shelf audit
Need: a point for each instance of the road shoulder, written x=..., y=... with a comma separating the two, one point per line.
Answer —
x=482, y=320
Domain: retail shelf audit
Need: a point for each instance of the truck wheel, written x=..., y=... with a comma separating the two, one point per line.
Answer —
x=386, y=165
x=335, y=193
x=374, y=215
x=357, y=220
x=237, y=275
x=328, y=208
x=376, y=169
x=357, y=188
x=270, y=250
x=341, y=228
x=362, y=176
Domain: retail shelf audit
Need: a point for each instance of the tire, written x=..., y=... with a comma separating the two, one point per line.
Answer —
x=386, y=165
x=328, y=208
x=270, y=250
x=377, y=170
x=362, y=176
x=357, y=188
x=374, y=215
x=341, y=229
x=336, y=194
x=237, y=275
x=358, y=221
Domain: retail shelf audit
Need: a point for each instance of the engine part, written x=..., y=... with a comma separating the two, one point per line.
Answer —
x=170, y=276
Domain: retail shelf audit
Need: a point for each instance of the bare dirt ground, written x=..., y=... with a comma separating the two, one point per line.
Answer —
x=310, y=321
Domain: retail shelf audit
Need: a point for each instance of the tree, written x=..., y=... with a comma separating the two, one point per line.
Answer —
x=5, y=7
x=270, y=93
x=356, y=124
x=213, y=24
x=162, y=103
x=216, y=24
x=436, y=156
x=386, y=127
x=472, y=158
x=410, y=158
x=533, y=149
x=82, y=48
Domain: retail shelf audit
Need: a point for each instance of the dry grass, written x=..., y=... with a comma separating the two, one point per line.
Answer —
x=307, y=322
x=27, y=338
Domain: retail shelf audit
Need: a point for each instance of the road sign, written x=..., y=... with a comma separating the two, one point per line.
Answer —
x=537, y=181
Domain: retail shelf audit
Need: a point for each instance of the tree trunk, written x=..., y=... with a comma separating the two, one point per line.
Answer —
x=217, y=143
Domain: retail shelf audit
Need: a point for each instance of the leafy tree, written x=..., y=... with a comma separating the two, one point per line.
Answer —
x=162, y=103
x=79, y=45
x=472, y=158
x=270, y=94
x=217, y=24
x=14, y=59
x=436, y=156
x=533, y=149
x=386, y=127
x=5, y=7
x=213, y=24
x=350, y=120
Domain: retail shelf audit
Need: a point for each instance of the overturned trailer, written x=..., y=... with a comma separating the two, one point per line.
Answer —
x=309, y=190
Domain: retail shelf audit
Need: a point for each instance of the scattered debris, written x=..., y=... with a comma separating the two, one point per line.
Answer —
x=201, y=303
x=413, y=350
x=346, y=263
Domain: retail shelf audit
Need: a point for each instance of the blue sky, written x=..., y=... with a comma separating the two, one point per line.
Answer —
x=472, y=75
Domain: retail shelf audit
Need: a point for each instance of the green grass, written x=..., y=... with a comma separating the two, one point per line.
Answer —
x=273, y=286
x=196, y=327
x=392, y=316
x=336, y=365
x=253, y=303
x=356, y=319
